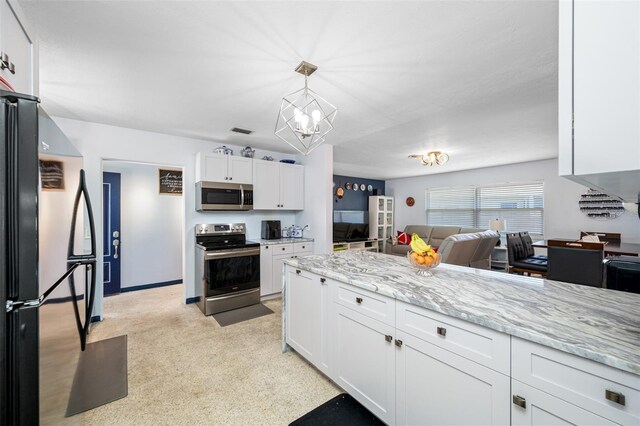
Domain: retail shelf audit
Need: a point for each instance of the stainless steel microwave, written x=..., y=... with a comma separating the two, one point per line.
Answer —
x=212, y=196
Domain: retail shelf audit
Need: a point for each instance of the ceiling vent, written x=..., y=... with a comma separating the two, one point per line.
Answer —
x=243, y=131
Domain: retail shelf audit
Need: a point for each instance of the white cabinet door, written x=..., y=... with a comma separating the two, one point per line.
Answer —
x=212, y=168
x=303, y=314
x=291, y=187
x=362, y=357
x=240, y=169
x=266, y=185
x=16, y=43
x=277, y=265
x=538, y=408
x=606, y=82
x=266, y=270
x=437, y=387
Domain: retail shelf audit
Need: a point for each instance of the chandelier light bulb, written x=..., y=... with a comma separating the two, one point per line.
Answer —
x=316, y=115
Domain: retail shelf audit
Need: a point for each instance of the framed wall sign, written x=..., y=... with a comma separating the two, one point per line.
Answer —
x=170, y=181
x=51, y=175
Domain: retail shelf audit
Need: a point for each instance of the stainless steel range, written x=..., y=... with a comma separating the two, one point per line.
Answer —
x=227, y=268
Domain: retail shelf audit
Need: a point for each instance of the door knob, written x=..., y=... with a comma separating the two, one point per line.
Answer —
x=116, y=243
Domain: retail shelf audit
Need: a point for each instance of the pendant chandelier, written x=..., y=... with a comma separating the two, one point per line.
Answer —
x=433, y=158
x=305, y=118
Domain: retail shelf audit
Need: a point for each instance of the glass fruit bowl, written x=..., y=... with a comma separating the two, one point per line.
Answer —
x=423, y=263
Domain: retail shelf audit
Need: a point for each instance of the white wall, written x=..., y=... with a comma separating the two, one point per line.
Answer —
x=318, y=199
x=150, y=227
x=55, y=208
x=98, y=142
x=562, y=217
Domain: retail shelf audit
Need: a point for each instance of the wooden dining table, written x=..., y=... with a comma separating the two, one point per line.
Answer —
x=610, y=248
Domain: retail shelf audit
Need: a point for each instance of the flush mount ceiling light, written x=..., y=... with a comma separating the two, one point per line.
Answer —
x=433, y=158
x=305, y=118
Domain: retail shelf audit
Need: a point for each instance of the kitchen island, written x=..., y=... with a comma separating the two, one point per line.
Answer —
x=477, y=336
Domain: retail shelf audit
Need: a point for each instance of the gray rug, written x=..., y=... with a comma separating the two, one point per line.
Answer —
x=101, y=375
x=242, y=314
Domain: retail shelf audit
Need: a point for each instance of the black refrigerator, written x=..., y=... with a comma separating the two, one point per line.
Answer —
x=21, y=294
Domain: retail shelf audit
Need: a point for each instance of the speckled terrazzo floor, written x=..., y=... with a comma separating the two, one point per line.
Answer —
x=185, y=369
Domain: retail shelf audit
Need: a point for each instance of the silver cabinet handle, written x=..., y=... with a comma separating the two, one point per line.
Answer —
x=398, y=342
x=323, y=280
x=388, y=338
x=441, y=331
x=358, y=300
x=298, y=271
x=226, y=178
x=616, y=397
x=520, y=401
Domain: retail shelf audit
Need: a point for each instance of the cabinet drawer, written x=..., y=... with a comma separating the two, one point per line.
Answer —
x=301, y=248
x=482, y=345
x=281, y=249
x=366, y=302
x=577, y=380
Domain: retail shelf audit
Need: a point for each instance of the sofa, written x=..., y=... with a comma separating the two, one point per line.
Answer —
x=432, y=235
x=456, y=245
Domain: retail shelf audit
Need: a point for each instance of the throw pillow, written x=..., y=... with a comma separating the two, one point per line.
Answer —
x=404, y=238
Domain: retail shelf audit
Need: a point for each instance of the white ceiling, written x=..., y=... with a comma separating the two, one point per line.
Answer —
x=475, y=79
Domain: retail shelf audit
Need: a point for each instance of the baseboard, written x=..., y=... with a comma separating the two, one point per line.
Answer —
x=63, y=299
x=192, y=300
x=148, y=286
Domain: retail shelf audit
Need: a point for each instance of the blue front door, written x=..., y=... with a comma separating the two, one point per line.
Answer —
x=111, y=232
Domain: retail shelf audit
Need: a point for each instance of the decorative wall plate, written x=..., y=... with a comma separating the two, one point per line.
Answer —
x=347, y=185
x=355, y=186
x=370, y=189
x=363, y=187
x=598, y=205
x=340, y=192
x=410, y=201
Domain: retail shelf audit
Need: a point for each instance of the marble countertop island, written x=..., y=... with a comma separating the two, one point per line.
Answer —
x=598, y=324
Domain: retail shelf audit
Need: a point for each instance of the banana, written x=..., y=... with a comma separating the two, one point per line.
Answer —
x=419, y=246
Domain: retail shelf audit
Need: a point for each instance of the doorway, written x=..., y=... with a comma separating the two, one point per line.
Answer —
x=143, y=226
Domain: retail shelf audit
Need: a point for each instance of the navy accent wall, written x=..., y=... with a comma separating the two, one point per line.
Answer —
x=354, y=200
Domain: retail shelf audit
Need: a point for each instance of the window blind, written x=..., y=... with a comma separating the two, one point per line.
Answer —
x=521, y=205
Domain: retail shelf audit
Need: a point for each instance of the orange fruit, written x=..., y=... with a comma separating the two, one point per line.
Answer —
x=428, y=261
x=436, y=257
x=420, y=259
x=413, y=255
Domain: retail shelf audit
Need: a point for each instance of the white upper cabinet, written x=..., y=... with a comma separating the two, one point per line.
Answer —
x=599, y=94
x=291, y=186
x=277, y=186
x=17, y=47
x=223, y=168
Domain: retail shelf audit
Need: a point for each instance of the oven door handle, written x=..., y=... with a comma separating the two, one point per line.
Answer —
x=241, y=196
x=231, y=253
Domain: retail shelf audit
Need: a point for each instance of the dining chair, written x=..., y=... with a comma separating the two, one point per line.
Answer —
x=576, y=262
x=519, y=261
x=609, y=237
x=528, y=245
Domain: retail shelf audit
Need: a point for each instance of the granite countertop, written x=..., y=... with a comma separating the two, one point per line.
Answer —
x=594, y=323
x=285, y=241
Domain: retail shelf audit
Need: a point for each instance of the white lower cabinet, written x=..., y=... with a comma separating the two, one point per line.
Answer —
x=533, y=407
x=307, y=316
x=363, y=360
x=271, y=257
x=437, y=387
x=425, y=368
x=303, y=313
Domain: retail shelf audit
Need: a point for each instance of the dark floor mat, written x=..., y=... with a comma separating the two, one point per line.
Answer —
x=341, y=410
x=241, y=314
x=101, y=375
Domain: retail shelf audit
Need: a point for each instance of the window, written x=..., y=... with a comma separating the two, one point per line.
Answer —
x=521, y=205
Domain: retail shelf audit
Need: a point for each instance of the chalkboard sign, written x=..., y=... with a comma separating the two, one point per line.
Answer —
x=51, y=174
x=170, y=181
